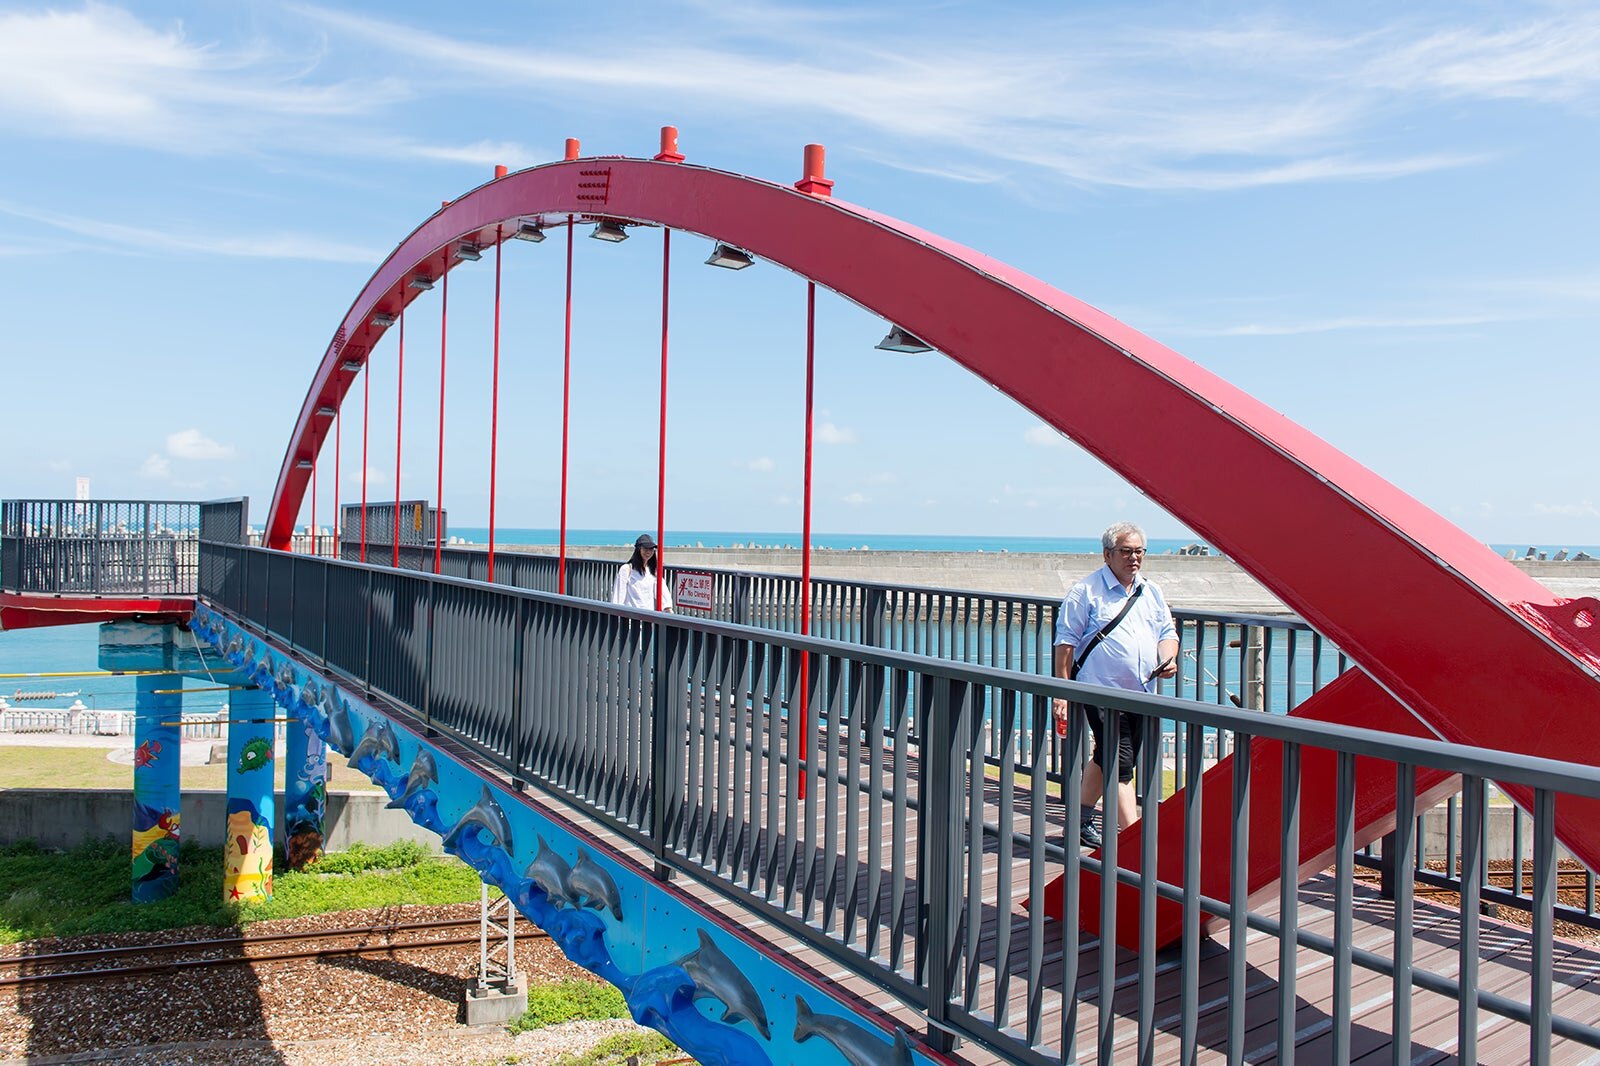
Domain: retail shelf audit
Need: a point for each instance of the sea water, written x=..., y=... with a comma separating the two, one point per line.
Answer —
x=73, y=650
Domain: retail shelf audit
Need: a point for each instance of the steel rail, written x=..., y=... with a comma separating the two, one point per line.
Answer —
x=240, y=943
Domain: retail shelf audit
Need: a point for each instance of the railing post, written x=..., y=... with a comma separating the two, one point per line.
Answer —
x=663, y=728
x=427, y=673
x=942, y=857
x=1386, y=867
x=740, y=608
x=873, y=611
x=366, y=663
x=1254, y=669
x=145, y=552
x=519, y=752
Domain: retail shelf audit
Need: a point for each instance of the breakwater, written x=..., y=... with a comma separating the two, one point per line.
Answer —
x=1191, y=582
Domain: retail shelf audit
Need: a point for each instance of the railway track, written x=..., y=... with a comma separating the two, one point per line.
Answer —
x=133, y=960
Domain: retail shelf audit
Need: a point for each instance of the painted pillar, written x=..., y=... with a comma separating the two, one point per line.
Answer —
x=156, y=788
x=305, y=794
x=247, y=847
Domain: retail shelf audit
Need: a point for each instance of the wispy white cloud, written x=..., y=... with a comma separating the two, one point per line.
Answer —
x=146, y=239
x=100, y=73
x=828, y=433
x=1248, y=103
x=1043, y=436
x=157, y=467
x=761, y=464
x=192, y=444
x=1350, y=322
x=1583, y=509
x=855, y=499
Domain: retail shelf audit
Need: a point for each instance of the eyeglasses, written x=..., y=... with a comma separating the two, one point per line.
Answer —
x=1131, y=553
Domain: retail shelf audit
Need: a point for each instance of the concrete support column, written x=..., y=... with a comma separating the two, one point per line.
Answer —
x=305, y=794
x=247, y=846
x=156, y=788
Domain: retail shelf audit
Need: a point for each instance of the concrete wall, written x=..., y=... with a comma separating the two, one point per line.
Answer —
x=64, y=818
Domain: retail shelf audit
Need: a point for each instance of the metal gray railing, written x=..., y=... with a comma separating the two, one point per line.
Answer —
x=99, y=547
x=906, y=861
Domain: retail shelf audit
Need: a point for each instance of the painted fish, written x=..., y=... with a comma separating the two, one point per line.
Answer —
x=591, y=886
x=379, y=739
x=715, y=976
x=147, y=753
x=859, y=1045
x=341, y=735
x=550, y=871
x=423, y=773
x=484, y=815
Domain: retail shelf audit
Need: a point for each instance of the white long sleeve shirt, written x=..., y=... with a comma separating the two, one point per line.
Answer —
x=634, y=588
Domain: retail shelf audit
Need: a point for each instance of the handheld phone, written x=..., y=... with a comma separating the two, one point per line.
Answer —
x=1162, y=665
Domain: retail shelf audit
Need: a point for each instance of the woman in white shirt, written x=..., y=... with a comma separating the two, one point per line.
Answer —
x=637, y=578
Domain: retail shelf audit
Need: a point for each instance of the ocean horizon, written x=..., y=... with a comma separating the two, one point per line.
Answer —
x=930, y=542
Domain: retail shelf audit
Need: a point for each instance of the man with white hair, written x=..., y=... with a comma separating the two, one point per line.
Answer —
x=1114, y=629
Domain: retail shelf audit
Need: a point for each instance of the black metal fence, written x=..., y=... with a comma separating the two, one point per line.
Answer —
x=907, y=857
x=100, y=547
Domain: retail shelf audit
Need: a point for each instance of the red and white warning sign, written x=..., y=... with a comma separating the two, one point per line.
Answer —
x=691, y=590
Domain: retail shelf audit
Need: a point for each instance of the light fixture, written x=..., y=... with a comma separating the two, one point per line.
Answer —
x=325, y=411
x=529, y=231
x=421, y=281
x=470, y=252
x=383, y=320
x=353, y=365
x=728, y=257
x=303, y=464
x=609, y=231
x=898, y=340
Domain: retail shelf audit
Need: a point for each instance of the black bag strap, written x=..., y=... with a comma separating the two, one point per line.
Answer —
x=1077, y=660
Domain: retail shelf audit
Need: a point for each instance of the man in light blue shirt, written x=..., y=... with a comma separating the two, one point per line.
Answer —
x=1116, y=627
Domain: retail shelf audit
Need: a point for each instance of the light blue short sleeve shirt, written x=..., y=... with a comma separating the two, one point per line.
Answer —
x=1128, y=653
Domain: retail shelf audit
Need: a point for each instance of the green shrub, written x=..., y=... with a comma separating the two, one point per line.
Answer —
x=622, y=1048
x=565, y=1001
x=400, y=855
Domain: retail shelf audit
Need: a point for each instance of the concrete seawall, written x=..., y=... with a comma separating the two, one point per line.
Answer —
x=65, y=818
x=1194, y=582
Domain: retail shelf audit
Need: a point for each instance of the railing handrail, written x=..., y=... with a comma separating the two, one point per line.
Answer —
x=1418, y=751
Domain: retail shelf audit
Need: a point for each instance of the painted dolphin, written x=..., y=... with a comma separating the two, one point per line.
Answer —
x=859, y=1045
x=591, y=886
x=284, y=679
x=716, y=977
x=234, y=652
x=309, y=693
x=341, y=735
x=423, y=773
x=379, y=739
x=550, y=872
x=485, y=814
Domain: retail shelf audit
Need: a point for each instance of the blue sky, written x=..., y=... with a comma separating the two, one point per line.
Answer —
x=1380, y=219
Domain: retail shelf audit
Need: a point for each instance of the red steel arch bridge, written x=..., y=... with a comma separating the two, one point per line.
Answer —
x=701, y=809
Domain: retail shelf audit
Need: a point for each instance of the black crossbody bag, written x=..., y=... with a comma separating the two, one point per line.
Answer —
x=1077, y=660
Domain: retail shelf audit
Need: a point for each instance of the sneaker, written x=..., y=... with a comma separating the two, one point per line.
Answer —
x=1089, y=836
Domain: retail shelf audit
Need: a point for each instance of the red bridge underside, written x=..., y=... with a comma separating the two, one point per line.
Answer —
x=1456, y=641
x=28, y=611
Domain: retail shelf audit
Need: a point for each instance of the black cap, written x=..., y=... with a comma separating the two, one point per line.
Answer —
x=645, y=541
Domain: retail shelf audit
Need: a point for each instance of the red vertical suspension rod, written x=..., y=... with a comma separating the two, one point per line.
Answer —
x=438, y=494
x=566, y=395
x=366, y=414
x=314, y=464
x=805, y=525
x=494, y=392
x=661, y=446
x=399, y=412
x=338, y=460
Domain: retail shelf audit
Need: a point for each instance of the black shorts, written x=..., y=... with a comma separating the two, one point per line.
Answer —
x=1130, y=738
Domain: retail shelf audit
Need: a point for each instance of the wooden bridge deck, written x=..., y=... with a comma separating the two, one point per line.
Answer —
x=1504, y=967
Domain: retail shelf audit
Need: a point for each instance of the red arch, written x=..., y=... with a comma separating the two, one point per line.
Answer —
x=1477, y=650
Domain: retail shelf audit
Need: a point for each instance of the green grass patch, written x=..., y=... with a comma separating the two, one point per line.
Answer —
x=566, y=1001
x=57, y=768
x=86, y=890
x=624, y=1048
